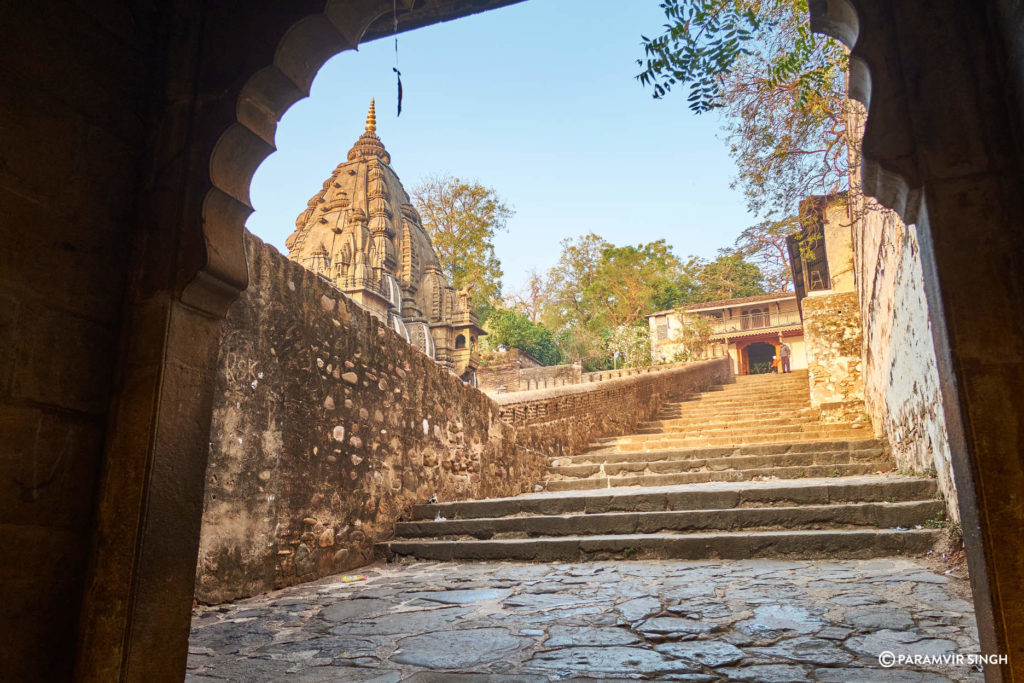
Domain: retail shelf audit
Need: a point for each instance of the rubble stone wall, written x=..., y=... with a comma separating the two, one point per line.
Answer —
x=832, y=337
x=327, y=427
x=901, y=379
x=511, y=371
x=563, y=420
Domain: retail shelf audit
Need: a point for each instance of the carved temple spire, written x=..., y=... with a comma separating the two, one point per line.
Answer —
x=371, y=119
x=369, y=145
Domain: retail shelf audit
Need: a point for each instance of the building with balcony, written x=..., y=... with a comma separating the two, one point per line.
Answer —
x=749, y=330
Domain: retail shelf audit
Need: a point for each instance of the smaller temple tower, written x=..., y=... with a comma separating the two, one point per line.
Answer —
x=362, y=232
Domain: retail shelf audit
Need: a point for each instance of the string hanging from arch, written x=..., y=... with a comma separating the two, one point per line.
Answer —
x=398, y=74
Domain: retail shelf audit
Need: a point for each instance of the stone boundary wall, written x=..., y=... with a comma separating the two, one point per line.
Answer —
x=901, y=378
x=327, y=428
x=832, y=340
x=509, y=372
x=564, y=420
x=549, y=376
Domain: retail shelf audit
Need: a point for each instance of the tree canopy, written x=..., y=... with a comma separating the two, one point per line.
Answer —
x=780, y=89
x=509, y=328
x=462, y=218
x=595, y=298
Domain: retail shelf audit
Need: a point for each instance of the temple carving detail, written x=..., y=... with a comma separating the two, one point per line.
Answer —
x=362, y=233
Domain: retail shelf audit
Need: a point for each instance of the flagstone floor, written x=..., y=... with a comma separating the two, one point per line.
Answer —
x=766, y=621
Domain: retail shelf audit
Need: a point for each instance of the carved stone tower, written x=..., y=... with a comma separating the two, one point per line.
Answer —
x=362, y=233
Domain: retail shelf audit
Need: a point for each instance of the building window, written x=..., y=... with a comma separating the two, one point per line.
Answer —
x=460, y=342
x=661, y=331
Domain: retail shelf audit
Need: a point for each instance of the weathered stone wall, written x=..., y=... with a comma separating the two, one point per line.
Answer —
x=549, y=377
x=832, y=337
x=562, y=421
x=327, y=426
x=512, y=370
x=901, y=380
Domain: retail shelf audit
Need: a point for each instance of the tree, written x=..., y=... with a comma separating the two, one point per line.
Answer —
x=530, y=299
x=765, y=245
x=781, y=90
x=510, y=328
x=631, y=281
x=462, y=218
x=632, y=343
x=694, y=337
x=728, y=277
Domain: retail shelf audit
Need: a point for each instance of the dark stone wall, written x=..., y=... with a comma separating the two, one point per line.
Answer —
x=327, y=427
x=72, y=131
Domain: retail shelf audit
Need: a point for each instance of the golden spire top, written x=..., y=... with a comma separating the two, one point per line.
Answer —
x=371, y=119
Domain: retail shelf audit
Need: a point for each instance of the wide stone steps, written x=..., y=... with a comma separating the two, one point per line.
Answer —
x=673, y=424
x=851, y=517
x=845, y=543
x=874, y=445
x=880, y=515
x=696, y=464
x=739, y=432
x=846, y=469
x=742, y=471
x=699, y=441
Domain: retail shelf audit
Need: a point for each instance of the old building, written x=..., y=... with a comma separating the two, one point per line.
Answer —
x=363, y=234
x=749, y=330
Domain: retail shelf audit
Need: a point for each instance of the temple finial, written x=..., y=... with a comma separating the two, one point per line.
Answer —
x=371, y=119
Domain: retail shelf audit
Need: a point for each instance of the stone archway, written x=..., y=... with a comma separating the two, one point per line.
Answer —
x=943, y=143
x=943, y=147
x=222, y=77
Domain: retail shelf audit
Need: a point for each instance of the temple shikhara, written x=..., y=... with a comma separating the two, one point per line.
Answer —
x=363, y=234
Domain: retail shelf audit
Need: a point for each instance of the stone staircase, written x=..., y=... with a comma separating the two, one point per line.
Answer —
x=744, y=470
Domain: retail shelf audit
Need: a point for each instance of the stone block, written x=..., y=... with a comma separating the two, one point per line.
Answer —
x=63, y=360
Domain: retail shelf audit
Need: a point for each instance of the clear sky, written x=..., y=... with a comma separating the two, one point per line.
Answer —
x=537, y=100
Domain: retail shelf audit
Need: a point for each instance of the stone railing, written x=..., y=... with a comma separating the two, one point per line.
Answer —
x=564, y=420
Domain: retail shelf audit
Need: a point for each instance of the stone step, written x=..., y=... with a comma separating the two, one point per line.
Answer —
x=672, y=424
x=834, y=470
x=688, y=453
x=867, y=489
x=817, y=543
x=699, y=430
x=741, y=401
x=699, y=442
x=875, y=515
x=748, y=410
x=733, y=462
x=725, y=441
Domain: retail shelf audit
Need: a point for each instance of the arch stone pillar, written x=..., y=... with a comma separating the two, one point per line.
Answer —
x=222, y=74
x=942, y=84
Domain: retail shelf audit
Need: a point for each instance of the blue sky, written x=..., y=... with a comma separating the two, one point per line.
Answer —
x=537, y=100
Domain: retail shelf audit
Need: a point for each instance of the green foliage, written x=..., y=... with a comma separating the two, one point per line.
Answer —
x=694, y=337
x=510, y=328
x=729, y=276
x=596, y=297
x=597, y=287
x=632, y=343
x=702, y=40
x=779, y=86
x=462, y=218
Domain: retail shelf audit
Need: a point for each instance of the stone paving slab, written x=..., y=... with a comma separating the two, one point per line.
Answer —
x=747, y=620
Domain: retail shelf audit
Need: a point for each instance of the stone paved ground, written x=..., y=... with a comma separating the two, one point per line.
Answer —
x=759, y=621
